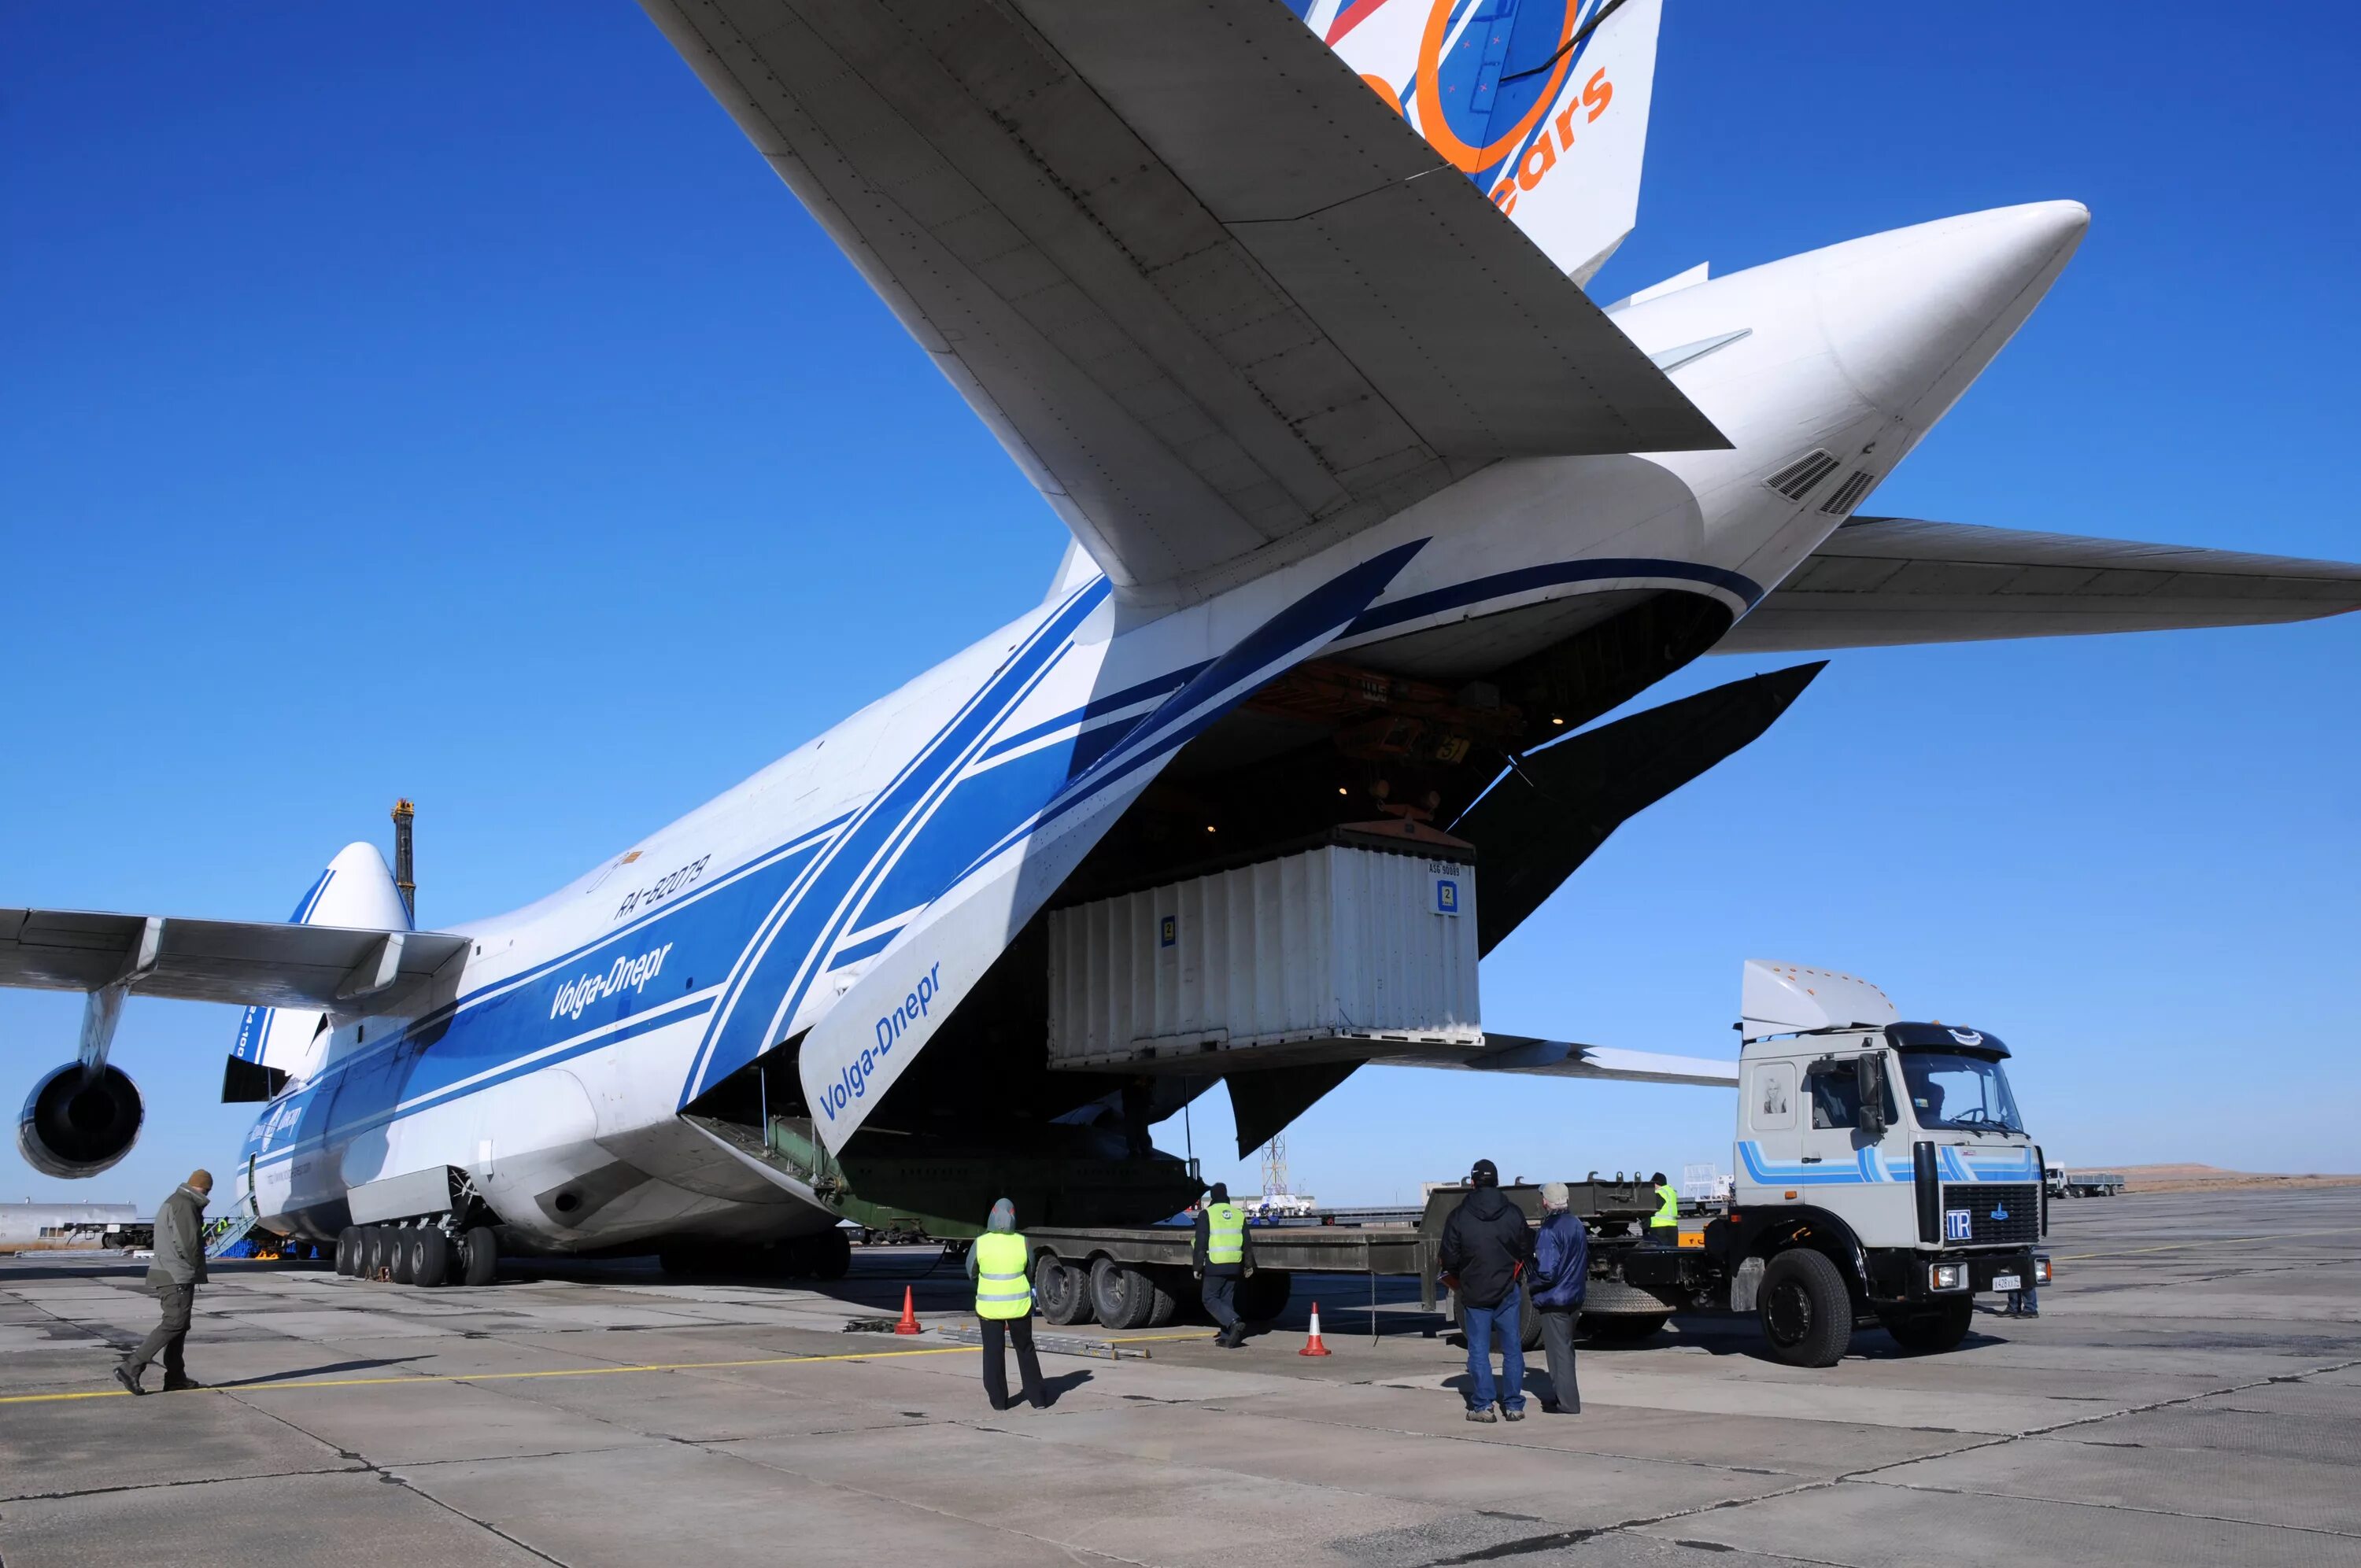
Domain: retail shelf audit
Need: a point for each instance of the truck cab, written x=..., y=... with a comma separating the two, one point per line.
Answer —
x=1883, y=1172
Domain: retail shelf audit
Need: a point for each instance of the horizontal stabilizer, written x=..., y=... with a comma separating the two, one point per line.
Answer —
x=1881, y=581
x=1208, y=290
x=1564, y=1058
x=259, y=962
x=1539, y=824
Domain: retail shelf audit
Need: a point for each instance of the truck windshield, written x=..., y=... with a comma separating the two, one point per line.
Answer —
x=1951, y=1089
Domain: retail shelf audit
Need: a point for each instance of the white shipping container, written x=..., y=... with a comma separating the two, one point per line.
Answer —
x=1334, y=944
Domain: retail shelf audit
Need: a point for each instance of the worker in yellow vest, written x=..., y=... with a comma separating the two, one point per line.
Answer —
x=1002, y=1267
x=1668, y=1217
x=1223, y=1254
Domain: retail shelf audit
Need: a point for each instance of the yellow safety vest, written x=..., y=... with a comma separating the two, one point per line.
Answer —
x=999, y=1287
x=1226, y=1234
x=1668, y=1208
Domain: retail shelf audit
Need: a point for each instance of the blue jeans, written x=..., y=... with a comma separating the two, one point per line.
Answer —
x=1482, y=1324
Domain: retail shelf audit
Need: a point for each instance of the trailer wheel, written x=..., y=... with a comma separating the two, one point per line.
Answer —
x=1061, y=1290
x=1263, y=1294
x=1529, y=1317
x=1807, y=1309
x=1922, y=1334
x=1122, y=1297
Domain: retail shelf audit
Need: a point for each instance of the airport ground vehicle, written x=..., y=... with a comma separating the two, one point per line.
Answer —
x=1884, y=1177
x=2060, y=1182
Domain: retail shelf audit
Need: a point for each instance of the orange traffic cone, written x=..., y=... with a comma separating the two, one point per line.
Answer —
x=909, y=1324
x=1313, y=1345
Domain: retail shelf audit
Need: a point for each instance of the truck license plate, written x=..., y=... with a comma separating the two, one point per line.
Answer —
x=1959, y=1225
x=2007, y=1282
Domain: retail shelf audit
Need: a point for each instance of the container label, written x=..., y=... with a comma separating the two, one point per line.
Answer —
x=1446, y=895
x=1167, y=930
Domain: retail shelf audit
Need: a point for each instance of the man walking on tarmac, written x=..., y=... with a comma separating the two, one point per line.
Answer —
x=173, y=1277
x=1486, y=1246
x=1668, y=1211
x=1561, y=1274
x=1223, y=1254
x=1001, y=1264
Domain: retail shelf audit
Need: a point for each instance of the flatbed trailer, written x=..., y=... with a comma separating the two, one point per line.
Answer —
x=1135, y=1276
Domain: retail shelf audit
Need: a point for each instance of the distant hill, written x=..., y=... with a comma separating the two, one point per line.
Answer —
x=2212, y=1177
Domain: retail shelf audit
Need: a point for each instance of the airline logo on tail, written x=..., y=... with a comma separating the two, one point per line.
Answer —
x=1543, y=102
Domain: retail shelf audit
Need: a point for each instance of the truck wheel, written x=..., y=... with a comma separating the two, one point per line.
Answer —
x=479, y=1257
x=1122, y=1297
x=1924, y=1333
x=1061, y=1291
x=1529, y=1317
x=1807, y=1309
x=1263, y=1294
x=1625, y=1328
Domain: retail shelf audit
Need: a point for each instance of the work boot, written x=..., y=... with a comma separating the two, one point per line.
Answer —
x=180, y=1383
x=1483, y=1415
x=1508, y=1415
x=1234, y=1336
x=129, y=1377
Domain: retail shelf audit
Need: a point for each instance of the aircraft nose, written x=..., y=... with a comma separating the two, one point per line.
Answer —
x=1915, y=314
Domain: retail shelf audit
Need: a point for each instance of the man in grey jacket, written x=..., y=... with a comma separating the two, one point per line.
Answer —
x=179, y=1269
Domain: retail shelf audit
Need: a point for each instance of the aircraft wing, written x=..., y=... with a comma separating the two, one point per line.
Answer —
x=1212, y=293
x=1880, y=581
x=261, y=963
x=1564, y=1058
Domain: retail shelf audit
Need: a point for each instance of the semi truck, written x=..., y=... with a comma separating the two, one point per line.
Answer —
x=2064, y=1183
x=1884, y=1178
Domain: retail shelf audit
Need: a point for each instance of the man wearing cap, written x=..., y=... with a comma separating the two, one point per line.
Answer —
x=1223, y=1254
x=1486, y=1246
x=1561, y=1273
x=179, y=1269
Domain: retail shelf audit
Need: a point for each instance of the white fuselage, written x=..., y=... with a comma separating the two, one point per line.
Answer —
x=577, y=1026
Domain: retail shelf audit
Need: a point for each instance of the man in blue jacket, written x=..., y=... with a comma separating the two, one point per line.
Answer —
x=1486, y=1246
x=1561, y=1267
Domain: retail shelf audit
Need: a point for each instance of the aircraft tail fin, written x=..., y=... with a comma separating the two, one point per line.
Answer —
x=1543, y=102
x=273, y=1043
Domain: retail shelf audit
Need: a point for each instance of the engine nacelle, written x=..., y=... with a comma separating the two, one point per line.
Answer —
x=75, y=1126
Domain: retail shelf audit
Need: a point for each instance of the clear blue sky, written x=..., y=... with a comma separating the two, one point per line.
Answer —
x=446, y=401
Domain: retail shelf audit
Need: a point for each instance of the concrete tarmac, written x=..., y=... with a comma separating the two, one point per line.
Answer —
x=2192, y=1394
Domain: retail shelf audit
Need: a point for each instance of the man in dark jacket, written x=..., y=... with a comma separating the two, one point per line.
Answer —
x=1561, y=1272
x=1487, y=1243
x=173, y=1277
x=1222, y=1254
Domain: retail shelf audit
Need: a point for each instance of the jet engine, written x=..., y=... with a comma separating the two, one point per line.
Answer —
x=77, y=1123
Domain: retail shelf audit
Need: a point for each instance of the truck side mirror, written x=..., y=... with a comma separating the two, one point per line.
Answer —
x=1869, y=1078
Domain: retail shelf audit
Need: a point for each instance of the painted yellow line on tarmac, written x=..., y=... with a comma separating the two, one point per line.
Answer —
x=2210, y=1240
x=504, y=1376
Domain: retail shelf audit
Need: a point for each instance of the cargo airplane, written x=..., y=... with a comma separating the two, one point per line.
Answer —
x=1280, y=307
